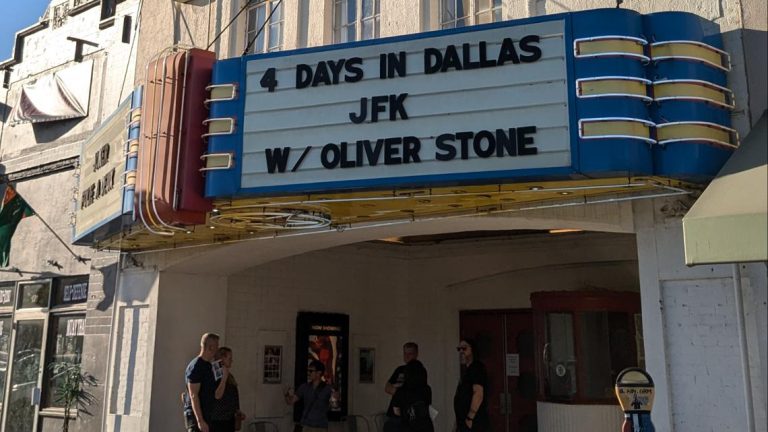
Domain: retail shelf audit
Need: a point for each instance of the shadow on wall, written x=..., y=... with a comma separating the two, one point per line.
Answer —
x=51, y=131
x=5, y=111
x=109, y=278
x=180, y=19
x=755, y=47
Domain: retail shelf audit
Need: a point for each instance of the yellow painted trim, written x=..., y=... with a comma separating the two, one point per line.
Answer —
x=609, y=46
x=391, y=206
x=135, y=115
x=214, y=161
x=691, y=51
x=695, y=131
x=612, y=87
x=223, y=92
x=691, y=90
x=133, y=146
x=220, y=126
x=130, y=178
x=615, y=128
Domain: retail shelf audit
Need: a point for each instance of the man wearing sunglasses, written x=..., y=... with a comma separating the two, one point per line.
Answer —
x=469, y=402
x=316, y=395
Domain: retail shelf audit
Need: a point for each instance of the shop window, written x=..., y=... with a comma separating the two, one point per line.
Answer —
x=34, y=295
x=6, y=311
x=65, y=345
x=46, y=325
x=586, y=339
x=271, y=37
x=25, y=373
x=108, y=9
x=356, y=20
x=460, y=13
x=5, y=348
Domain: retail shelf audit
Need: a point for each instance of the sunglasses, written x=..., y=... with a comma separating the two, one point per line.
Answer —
x=309, y=371
x=461, y=348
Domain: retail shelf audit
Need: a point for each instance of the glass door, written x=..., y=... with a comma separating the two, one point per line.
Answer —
x=5, y=355
x=23, y=392
x=25, y=367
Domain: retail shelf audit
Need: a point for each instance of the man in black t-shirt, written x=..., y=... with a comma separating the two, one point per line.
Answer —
x=410, y=352
x=469, y=402
x=201, y=383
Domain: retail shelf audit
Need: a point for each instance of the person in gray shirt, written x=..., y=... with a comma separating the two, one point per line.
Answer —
x=316, y=396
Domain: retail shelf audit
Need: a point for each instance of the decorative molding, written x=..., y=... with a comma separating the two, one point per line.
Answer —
x=41, y=170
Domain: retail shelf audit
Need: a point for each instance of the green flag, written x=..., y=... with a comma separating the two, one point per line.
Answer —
x=13, y=210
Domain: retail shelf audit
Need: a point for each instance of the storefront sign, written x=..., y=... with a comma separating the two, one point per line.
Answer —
x=513, y=364
x=75, y=327
x=103, y=186
x=70, y=290
x=76, y=292
x=6, y=296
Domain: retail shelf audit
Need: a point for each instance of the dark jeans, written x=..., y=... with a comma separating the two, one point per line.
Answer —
x=222, y=425
x=214, y=426
x=393, y=424
x=462, y=427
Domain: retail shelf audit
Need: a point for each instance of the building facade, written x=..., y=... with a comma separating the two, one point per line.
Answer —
x=562, y=294
x=65, y=77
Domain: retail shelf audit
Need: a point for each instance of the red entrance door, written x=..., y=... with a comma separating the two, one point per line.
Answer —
x=506, y=344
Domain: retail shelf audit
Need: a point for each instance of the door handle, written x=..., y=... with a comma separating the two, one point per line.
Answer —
x=502, y=403
x=34, y=397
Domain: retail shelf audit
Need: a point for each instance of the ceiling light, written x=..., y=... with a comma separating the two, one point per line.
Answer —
x=564, y=230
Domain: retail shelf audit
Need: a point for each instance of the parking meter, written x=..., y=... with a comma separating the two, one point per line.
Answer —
x=634, y=388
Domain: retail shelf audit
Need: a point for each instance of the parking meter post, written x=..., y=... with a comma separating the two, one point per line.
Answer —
x=635, y=391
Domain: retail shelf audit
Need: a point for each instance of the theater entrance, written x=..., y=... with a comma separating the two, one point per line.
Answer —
x=506, y=346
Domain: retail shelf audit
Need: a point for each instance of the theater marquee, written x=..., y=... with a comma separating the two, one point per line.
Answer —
x=567, y=109
x=478, y=104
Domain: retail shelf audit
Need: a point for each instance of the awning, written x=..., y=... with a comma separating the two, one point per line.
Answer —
x=729, y=222
x=62, y=95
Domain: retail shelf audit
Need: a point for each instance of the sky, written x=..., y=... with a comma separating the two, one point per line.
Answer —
x=21, y=14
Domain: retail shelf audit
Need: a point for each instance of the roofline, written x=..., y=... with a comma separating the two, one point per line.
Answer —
x=18, y=45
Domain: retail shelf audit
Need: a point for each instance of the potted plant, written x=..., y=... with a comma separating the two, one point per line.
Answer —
x=70, y=389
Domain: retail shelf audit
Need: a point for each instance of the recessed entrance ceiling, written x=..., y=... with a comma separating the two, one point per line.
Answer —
x=250, y=218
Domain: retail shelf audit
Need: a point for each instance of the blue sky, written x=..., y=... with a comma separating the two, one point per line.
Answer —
x=21, y=14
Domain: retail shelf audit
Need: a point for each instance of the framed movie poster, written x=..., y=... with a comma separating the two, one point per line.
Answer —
x=367, y=363
x=273, y=364
x=324, y=337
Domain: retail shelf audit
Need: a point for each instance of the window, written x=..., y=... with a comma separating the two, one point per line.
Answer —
x=271, y=37
x=46, y=325
x=356, y=20
x=460, y=13
x=587, y=339
x=7, y=292
x=65, y=345
x=108, y=9
x=34, y=295
x=25, y=370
